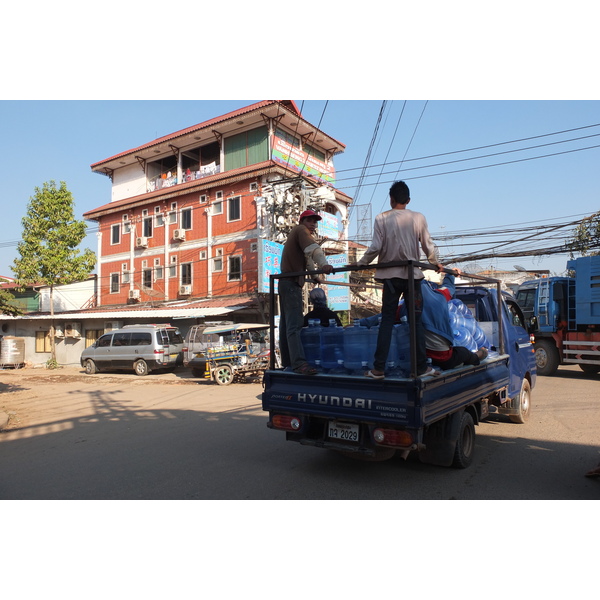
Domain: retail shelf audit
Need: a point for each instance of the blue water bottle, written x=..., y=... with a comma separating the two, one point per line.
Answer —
x=402, y=335
x=311, y=342
x=332, y=346
x=356, y=347
x=463, y=338
x=480, y=338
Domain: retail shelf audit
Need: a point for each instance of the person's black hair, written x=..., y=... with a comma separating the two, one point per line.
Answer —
x=400, y=193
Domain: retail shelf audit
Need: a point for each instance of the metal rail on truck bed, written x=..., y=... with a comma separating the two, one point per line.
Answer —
x=409, y=300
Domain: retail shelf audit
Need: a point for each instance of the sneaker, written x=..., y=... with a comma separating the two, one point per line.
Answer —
x=306, y=369
x=431, y=372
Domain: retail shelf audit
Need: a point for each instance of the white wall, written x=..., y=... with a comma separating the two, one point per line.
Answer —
x=127, y=182
x=68, y=297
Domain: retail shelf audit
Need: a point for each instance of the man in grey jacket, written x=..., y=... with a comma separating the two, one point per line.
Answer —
x=398, y=235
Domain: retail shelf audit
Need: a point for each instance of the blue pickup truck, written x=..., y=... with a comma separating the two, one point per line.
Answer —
x=432, y=416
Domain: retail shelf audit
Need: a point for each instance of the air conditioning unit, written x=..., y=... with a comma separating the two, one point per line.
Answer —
x=134, y=294
x=72, y=330
x=179, y=234
x=185, y=290
x=58, y=332
x=112, y=325
x=141, y=242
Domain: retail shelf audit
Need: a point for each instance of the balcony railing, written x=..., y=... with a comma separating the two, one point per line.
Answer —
x=168, y=179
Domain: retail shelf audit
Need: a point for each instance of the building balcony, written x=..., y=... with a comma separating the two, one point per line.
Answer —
x=169, y=179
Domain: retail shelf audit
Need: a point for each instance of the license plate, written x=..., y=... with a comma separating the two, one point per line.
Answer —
x=342, y=431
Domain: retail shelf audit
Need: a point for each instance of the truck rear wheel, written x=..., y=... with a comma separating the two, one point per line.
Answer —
x=546, y=357
x=524, y=403
x=465, y=444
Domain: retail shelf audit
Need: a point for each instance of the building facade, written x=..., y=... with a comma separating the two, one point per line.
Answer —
x=189, y=210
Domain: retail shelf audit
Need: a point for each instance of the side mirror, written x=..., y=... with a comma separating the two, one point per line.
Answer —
x=532, y=325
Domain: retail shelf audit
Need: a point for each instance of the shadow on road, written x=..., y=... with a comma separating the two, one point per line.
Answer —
x=144, y=449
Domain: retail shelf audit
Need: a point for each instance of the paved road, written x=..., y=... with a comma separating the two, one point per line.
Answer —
x=167, y=437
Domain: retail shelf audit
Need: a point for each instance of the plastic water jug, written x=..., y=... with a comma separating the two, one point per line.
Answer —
x=373, y=332
x=401, y=335
x=311, y=341
x=393, y=370
x=460, y=306
x=339, y=369
x=463, y=338
x=469, y=322
x=356, y=346
x=332, y=345
x=480, y=338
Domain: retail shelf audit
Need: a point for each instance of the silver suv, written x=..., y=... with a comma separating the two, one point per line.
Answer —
x=141, y=348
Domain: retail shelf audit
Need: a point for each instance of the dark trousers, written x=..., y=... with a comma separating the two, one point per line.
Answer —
x=291, y=321
x=460, y=356
x=392, y=290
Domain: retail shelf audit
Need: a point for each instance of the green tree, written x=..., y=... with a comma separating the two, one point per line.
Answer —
x=6, y=298
x=586, y=239
x=48, y=249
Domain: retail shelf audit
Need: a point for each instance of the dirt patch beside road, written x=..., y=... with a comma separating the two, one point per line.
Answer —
x=37, y=376
x=18, y=387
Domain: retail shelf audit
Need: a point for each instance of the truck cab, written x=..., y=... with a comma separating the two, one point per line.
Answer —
x=563, y=313
x=517, y=341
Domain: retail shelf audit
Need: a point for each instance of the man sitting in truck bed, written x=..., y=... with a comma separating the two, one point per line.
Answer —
x=439, y=335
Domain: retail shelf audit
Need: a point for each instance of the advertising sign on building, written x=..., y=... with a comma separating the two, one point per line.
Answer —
x=330, y=226
x=285, y=152
x=338, y=296
x=269, y=262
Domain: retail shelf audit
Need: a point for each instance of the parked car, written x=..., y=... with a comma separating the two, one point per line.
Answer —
x=141, y=348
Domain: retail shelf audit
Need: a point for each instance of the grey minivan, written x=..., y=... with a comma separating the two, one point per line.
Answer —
x=141, y=348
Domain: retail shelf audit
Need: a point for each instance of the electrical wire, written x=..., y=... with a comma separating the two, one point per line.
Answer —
x=368, y=157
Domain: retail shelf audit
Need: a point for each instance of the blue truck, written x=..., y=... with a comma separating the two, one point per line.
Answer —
x=563, y=314
x=433, y=416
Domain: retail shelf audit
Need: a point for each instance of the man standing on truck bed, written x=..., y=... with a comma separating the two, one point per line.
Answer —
x=398, y=235
x=299, y=250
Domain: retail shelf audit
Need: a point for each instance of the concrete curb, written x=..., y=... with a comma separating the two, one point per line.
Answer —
x=3, y=420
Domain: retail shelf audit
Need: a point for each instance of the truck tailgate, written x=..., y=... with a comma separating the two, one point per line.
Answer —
x=408, y=403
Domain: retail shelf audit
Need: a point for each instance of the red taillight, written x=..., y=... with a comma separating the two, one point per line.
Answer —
x=286, y=422
x=159, y=351
x=532, y=338
x=392, y=437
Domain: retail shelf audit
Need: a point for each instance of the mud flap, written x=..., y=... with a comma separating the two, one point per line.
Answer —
x=440, y=441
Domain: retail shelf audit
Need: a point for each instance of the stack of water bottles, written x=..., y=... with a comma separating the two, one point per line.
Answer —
x=467, y=331
x=350, y=350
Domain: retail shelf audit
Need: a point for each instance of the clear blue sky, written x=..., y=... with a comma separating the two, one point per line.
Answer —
x=44, y=140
